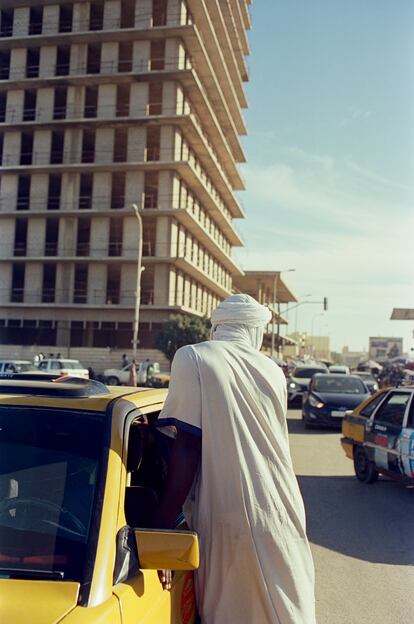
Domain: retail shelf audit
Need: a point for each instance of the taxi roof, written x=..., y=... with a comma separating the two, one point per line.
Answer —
x=62, y=395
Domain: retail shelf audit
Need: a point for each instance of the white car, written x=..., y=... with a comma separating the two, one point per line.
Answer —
x=63, y=367
x=16, y=366
x=120, y=376
x=338, y=368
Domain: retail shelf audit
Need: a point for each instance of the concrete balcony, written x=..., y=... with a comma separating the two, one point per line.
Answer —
x=221, y=165
x=220, y=90
x=37, y=162
x=212, y=117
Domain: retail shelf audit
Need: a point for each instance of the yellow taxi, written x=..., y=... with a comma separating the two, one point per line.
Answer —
x=81, y=468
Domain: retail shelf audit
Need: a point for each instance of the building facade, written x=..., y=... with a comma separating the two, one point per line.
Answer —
x=105, y=104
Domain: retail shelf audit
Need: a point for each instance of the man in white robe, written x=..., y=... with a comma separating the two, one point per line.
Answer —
x=231, y=465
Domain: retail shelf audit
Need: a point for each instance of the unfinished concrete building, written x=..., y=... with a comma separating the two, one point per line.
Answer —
x=104, y=104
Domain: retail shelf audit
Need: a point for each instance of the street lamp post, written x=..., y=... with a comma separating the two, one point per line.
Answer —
x=138, y=285
x=275, y=284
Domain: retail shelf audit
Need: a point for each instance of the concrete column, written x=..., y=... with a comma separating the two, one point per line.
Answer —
x=8, y=193
x=80, y=16
x=174, y=54
x=107, y=101
x=15, y=104
x=167, y=142
x=180, y=251
x=38, y=192
x=21, y=20
x=137, y=138
x=18, y=63
x=169, y=98
x=172, y=279
x=186, y=292
x=128, y=284
x=65, y=275
x=164, y=189
x=78, y=58
x=45, y=103
x=112, y=15
x=143, y=14
x=161, y=283
x=36, y=237
x=134, y=188
x=175, y=191
x=42, y=140
x=138, y=99
x=179, y=289
x=109, y=57
x=47, y=63
x=162, y=238
x=104, y=145
x=176, y=13
x=141, y=56
x=130, y=237
x=72, y=147
x=99, y=237
x=63, y=334
x=50, y=19
x=97, y=283
x=70, y=191
x=101, y=195
x=11, y=148
x=5, y=282
x=33, y=282
x=67, y=236
x=7, y=237
x=75, y=103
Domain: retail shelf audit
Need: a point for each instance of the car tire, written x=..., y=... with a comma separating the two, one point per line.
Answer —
x=365, y=470
x=113, y=381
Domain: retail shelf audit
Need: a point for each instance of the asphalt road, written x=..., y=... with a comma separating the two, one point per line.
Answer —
x=362, y=536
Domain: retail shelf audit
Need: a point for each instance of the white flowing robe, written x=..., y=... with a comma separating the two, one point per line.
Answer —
x=255, y=562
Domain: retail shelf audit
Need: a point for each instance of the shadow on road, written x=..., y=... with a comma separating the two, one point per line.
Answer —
x=296, y=425
x=370, y=522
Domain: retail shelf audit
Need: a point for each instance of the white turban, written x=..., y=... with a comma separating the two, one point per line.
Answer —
x=240, y=318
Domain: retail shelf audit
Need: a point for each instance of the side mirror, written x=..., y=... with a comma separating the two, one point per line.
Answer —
x=349, y=412
x=167, y=550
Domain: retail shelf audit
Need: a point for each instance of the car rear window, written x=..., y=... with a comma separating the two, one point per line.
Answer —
x=307, y=373
x=50, y=467
x=339, y=385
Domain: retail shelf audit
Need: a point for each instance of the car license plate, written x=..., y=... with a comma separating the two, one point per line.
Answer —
x=337, y=414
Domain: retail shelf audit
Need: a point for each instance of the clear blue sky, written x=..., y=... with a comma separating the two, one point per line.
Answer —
x=330, y=184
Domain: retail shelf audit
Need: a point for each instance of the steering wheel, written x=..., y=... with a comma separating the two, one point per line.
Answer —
x=70, y=521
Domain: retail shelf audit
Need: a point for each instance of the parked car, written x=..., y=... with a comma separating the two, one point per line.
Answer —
x=298, y=382
x=81, y=469
x=369, y=380
x=119, y=376
x=64, y=367
x=379, y=436
x=15, y=366
x=330, y=396
x=338, y=368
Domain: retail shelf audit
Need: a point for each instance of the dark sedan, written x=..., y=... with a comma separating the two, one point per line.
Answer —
x=329, y=397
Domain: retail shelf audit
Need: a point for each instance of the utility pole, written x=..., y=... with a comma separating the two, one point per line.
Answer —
x=138, y=285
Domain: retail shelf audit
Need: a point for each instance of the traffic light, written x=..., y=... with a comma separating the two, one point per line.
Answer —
x=325, y=303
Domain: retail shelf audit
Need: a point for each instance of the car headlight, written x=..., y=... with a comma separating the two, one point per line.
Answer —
x=315, y=402
x=293, y=385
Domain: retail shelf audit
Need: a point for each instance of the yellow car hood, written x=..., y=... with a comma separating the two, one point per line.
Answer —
x=37, y=602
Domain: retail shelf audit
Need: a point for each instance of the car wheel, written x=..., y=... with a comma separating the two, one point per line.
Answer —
x=113, y=381
x=365, y=470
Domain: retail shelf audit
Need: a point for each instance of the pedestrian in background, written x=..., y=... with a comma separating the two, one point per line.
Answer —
x=231, y=472
x=125, y=360
x=132, y=374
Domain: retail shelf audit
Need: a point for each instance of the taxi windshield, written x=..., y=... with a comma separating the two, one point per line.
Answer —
x=50, y=464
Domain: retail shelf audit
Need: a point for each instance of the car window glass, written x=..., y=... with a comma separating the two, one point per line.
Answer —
x=410, y=422
x=9, y=367
x=43, y=365
x=339, y=384
x=393, y=409
x=55, y=365
x=372, y=405
x=306, y=373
